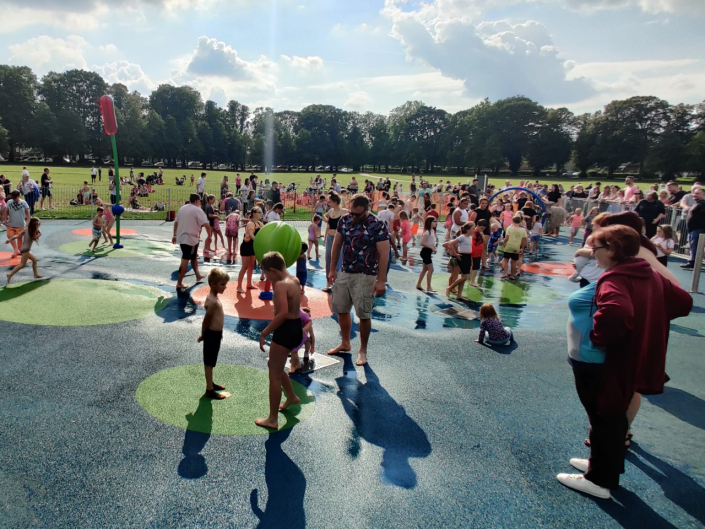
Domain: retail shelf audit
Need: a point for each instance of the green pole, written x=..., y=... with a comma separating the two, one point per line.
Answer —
x=117, y=191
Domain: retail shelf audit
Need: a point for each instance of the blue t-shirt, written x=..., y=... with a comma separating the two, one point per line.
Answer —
x=582, y=309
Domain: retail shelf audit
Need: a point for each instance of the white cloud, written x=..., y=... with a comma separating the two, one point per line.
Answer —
x=108, y=48
x=305, y=64
x=495, y=59
x=213, y=58
x=358, y=101
x=127, y=73
x=603, y=69
x=47, y=53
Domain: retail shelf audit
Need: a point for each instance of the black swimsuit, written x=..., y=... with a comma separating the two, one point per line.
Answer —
x=247, y=248
x=289, y=334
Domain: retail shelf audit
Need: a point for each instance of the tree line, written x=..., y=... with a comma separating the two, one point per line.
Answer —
x=59, y=116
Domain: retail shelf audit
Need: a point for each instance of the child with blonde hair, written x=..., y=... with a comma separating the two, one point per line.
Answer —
x=490, y=324
x=212, y=330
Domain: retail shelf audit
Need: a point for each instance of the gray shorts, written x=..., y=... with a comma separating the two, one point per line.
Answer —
x=354, y=290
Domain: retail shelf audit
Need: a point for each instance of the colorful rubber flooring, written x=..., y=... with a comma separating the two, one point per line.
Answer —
x=103, y=423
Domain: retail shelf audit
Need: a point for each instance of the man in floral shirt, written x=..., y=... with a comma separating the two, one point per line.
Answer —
x=364, y=241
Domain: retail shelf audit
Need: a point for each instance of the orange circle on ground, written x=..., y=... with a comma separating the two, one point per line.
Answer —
x=249, y=306
x=6, y=259
x=87, y=232
x=549, y=269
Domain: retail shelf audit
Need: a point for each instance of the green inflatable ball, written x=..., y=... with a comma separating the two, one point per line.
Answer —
x=278, y=237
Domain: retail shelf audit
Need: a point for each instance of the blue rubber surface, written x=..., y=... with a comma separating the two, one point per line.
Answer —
x=437, y=431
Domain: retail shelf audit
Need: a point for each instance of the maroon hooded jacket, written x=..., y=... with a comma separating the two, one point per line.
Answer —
x=635, y=305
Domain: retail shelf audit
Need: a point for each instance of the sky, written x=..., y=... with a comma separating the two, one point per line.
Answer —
x=372, y=54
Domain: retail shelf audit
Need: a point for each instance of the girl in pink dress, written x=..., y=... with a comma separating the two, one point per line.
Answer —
x=405, y=234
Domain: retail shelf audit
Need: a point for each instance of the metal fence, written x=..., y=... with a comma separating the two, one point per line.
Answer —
x=674, y=217
x=152, y=202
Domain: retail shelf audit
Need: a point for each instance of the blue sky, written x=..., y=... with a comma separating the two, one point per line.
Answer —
x=372, y=54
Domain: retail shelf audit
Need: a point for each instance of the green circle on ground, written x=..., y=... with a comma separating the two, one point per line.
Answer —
x=74, y=302
x=175, y=396
x=133, y=248
x=493, y=289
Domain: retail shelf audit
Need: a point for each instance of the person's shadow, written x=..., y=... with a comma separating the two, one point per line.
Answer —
x=681, y=404
x=380, y=420
x=200, y=422
x=286, y=487
x=677, y=486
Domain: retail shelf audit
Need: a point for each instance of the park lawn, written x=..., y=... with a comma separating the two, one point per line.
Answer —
x=72, y=175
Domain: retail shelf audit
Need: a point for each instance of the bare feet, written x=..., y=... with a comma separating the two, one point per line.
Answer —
x=474, y=285
x=8, y=276
x=240, y=291
x=266, y=423
x=180, y=285
x=361, y=359
x=199, y=278
x=290, y=402
x=462, y=298
x=252, y=287
x=38, y=277
x=294, y=366
x=342, y=348
x=429, y=290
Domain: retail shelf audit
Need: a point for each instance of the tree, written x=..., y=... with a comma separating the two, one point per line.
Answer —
x=182, y=102
x=71, y=132
x=695, y=152
x=44, y=130
x=517, y=121
x=326, y=124
x=4, y=143
x=237, y=116
x=78, y=92
x=668, y=153
x=18, y=87
x=551, y=143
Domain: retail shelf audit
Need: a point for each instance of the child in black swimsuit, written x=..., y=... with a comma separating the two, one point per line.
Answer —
x=288, y=334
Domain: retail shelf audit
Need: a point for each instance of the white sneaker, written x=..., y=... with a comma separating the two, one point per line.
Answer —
x=52, y=207
x=580, y=464
x=579, y=483
x=42, y=209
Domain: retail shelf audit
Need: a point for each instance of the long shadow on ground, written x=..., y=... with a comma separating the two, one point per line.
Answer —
x=677, y=486
x=286, y=488
x=193, y=465
x=681, y=404
x=380, y=420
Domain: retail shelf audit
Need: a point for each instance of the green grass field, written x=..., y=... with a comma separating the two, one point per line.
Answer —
x=72, y=175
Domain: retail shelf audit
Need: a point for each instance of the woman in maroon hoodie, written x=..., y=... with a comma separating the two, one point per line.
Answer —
x=635, y=305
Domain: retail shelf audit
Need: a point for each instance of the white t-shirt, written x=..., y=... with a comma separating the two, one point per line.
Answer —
x=464, y=244
x=273, y=216
x=25, y=172
x=387, y=216
x=666, y=243
x=190, y=218
x=200, y=185
x=94, y=171
x=536, y=228
x=431, y=237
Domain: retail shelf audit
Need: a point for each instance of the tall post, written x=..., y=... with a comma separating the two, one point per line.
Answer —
x=168, y=199
x=697, y=267
x=117, y=190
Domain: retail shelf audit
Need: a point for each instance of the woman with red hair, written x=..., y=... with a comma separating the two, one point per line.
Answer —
x=635, y=305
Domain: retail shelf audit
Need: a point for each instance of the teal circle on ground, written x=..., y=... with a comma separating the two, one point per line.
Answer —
x=176, y=396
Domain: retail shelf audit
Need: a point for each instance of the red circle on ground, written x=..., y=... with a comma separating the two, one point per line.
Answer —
x=87, y=232
x=248, y=305
x=6, y=259
x=549, y=269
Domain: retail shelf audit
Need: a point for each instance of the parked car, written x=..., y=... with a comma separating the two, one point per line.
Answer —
x=178, y=164
x=159, y=164
x=195, y=165
x=222, y=166
x=147, y=164
x=108, y=161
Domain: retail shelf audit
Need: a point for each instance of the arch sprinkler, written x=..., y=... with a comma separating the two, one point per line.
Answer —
x=537, y=197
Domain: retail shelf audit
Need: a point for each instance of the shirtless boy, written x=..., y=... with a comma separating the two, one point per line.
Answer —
x=212, y=330
x=288, y=333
